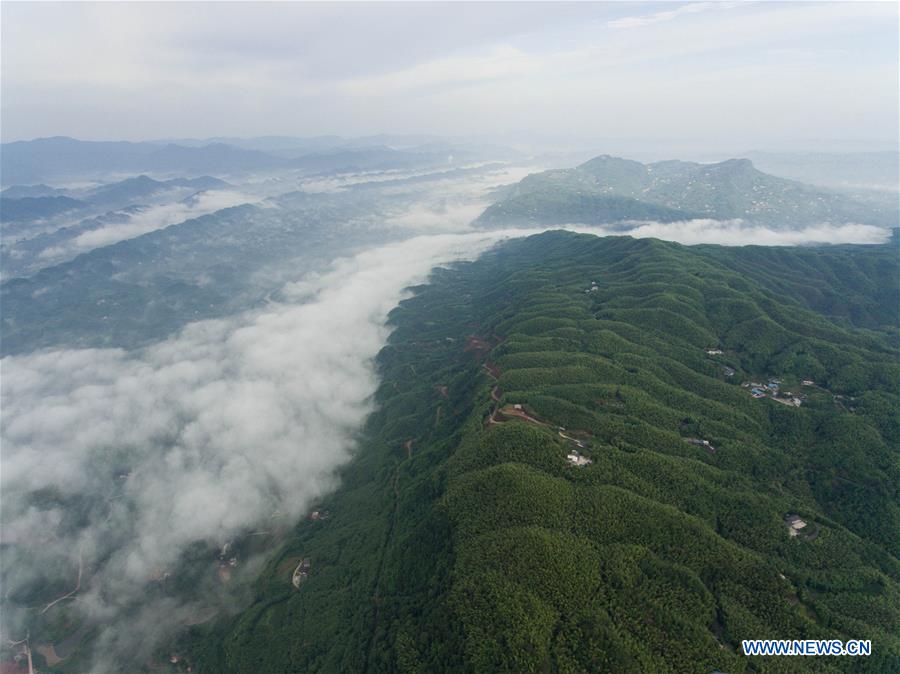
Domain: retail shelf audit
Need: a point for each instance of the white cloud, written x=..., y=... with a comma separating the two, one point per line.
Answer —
x=136, y=223
x=159, y=217
x=582, y=69
x=739, y=233
x=667, y=15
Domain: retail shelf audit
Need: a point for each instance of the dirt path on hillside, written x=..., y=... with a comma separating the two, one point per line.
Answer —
x=73, y=592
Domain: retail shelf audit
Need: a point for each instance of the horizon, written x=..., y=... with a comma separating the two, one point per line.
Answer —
x=755, y=75
x=638, y=149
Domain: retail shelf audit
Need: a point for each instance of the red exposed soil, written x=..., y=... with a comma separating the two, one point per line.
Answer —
x=510, y=411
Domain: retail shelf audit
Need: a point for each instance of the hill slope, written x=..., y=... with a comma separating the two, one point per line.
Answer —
x=464, y=540
x=724, y=191
x=35, y=208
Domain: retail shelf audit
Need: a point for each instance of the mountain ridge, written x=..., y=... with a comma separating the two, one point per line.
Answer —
x=465, y=537
x=729, y=190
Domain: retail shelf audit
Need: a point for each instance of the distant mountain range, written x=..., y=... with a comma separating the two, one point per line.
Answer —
x=59, y=158
x=49, y=159
x=609, y=189
x=32, y=208
x=23, y=191
x=27, y=203
x=143, y=186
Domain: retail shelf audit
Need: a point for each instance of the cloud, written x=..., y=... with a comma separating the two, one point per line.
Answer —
x=452, y=204
x=502, y=61
x=159, y=217
x=578, y=68
x=120, y=462
x=69, y=242
x=442, y=214
x=668, y=15
x=740, y=233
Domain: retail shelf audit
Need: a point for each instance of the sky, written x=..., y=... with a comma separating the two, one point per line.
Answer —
x=758, y=73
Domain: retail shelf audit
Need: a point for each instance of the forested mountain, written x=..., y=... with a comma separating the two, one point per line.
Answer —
x=45, y=159
x=609, y=189
x=34, y=208
x=607, y=454
x=131, y=189
x=19, y=191
x=143, y=289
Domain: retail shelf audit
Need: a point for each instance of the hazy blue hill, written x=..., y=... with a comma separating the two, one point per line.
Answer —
x=142, y=289
x=134, y=189
x=20, y=191
x=726, y=190
x=297, y=145
x=35, y=208
x=365, y=158
x=46, y=158
x=271, y=144
x=58, y=157
x=126, y=190
x=463, y=540
x=217, y=157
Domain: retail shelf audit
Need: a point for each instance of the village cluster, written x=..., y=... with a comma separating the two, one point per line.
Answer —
x=772, y=389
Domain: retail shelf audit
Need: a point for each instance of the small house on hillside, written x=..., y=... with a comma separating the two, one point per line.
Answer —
x=577, y=459
x=795, y=524
x=301, y=573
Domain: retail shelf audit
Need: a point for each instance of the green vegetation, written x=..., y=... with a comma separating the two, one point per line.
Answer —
x=562, y=205
x=462, y=539
x=609, y=189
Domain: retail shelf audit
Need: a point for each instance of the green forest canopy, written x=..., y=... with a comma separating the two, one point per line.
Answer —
x=458, y=544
